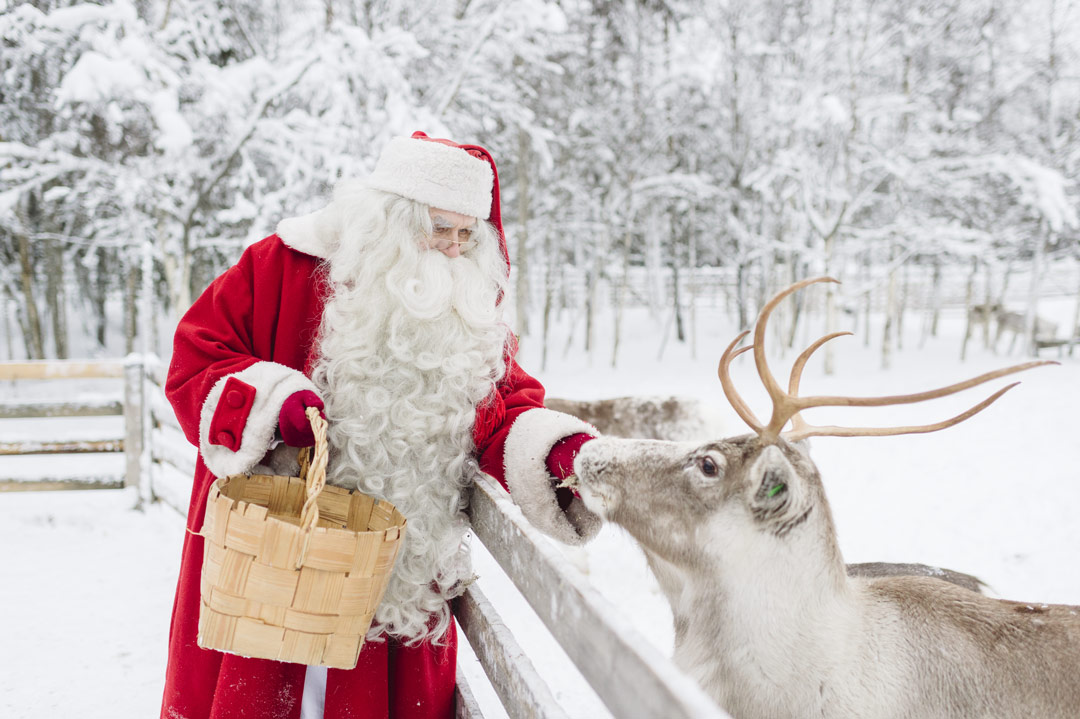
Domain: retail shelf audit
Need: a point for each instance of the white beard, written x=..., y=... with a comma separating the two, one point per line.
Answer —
x=410, y=344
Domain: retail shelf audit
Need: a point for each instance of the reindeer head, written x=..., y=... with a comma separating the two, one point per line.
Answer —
x=684, y=501
x=688, y=503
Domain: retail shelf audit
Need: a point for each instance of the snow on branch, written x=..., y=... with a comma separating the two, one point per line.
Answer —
x=225, y=160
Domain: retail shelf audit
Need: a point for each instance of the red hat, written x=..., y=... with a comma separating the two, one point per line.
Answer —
x=438, y=173
x=416, y=180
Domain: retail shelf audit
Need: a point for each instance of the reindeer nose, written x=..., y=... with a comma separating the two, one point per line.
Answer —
x=591, y=460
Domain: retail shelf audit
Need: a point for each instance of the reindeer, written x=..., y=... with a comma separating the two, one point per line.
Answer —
x=676, y=418
x=740, y=536
x=1016, y=324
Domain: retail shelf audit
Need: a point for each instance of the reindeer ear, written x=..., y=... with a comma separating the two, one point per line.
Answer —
x=803, y=445
x=771, y=476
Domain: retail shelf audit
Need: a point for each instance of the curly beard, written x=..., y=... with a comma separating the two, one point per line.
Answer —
x=410, y=343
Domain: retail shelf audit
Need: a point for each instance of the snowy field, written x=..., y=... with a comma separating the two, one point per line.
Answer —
x=88, y=582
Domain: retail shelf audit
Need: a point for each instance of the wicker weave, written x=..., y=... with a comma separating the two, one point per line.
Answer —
x=294, y=569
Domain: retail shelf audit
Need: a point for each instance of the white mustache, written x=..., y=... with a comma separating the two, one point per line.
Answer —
x=440, y=285
x=425, y=294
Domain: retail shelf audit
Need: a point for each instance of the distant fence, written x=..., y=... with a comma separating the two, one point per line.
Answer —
x=717, y=287
x=630, y=677
x=158, y=460
x=130, y=444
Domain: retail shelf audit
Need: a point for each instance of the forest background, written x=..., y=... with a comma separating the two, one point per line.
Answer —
x=657, y=153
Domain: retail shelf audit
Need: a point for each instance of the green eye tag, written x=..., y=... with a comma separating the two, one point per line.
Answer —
x=777, y=490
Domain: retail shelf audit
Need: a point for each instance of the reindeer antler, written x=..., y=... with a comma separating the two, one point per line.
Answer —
x=787, y=405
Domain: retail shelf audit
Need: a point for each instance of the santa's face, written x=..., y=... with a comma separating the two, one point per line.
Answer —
x=451, y=232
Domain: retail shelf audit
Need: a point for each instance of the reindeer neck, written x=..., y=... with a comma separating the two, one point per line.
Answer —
x=790, y=580
x=765, y=613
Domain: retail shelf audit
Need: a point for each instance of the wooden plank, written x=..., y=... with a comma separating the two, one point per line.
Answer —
x=156, y=371
x=134, y=417
x=465, y=706
x=170, y=446
x=58, y=483
x=631, y=677
x=61, y=408
x=161, y=412
x=77, y=446
x=61, y=369
x=522, y=692
x=171, y=486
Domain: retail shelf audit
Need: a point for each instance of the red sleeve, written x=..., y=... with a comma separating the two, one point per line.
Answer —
x=517, y=393
x=517, y=452
x=214, y=339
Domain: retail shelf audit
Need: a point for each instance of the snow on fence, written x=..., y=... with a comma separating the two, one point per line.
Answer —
x=631, y=677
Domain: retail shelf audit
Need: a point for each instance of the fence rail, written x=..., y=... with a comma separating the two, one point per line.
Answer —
x=62, y=447
x=61, y=369
x=627, y=673
x=61, y=408
x=515, y=680
x=630, y=677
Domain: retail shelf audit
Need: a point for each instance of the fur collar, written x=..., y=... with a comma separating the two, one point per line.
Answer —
x=315, y=234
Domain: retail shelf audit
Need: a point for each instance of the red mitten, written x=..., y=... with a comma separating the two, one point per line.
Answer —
x=560, y=464
x=560, y=460
x=293, y=422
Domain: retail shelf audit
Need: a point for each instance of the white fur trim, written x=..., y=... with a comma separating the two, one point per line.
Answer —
x=444, y=177
x=273, y=384
x=314, y=234
x=528, y=444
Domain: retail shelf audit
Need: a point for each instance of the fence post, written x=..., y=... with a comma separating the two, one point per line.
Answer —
x=133, y=422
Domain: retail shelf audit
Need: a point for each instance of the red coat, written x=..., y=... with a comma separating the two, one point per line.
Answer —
x=242, y=348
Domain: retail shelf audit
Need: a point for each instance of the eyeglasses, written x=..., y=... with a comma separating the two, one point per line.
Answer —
x=441, y=241
x=443, y=245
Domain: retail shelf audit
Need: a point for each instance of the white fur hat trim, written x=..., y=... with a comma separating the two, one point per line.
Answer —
x=444, y=177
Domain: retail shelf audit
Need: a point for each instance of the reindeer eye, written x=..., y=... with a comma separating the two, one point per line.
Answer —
x=708, y=467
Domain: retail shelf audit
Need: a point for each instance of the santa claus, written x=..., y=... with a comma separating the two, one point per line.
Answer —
x=384, y=310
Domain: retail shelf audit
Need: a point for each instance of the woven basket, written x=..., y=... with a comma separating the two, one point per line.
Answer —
x=294, y=569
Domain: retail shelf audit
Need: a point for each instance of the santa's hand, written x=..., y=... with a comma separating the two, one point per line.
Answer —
x=560, y=465
x=293, y=422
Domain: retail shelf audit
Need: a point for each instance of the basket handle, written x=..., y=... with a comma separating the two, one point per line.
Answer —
x=314, y=474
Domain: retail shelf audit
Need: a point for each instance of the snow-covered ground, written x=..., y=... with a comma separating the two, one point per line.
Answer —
x=84, y=603
x=88, y=582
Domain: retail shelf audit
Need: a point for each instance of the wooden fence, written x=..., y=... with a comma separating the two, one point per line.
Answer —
x=631, y=677
x=158, y=460
x=130, y=443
